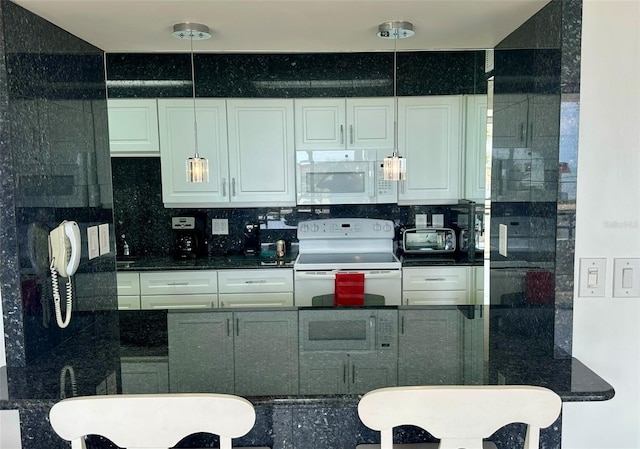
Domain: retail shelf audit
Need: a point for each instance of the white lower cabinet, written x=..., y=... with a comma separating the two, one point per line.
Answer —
x=478, y=284
x=128, y=284
x=436, y=286
x=255, y=288
x=179, y=289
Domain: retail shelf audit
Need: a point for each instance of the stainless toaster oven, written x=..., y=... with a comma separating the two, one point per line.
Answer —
x=428, y=240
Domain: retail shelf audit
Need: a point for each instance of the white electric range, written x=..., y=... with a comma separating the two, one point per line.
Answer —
x=360, y=245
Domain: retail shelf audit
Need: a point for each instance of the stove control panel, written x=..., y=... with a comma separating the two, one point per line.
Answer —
x=336, y=228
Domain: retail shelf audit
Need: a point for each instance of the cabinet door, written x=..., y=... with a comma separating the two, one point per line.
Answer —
x=370, y=123
x=320, y=124
x=323, y=372
x=200, y=352
x=436, y=297
x=178, y=282
x=368, y=372
x=144, y=377
x=177, y=144
x=128, y=302
x=255, y=281
x=266, y=353
x=430, y=347
x=430, y=278
x=176, y=301
x=429, y=137
x=280, y=299
x=261, y=152
x=476, y=148
x=510, y=119
x=133, y=127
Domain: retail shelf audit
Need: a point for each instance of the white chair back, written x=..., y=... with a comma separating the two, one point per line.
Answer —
x=460, y=416
x=152, y=421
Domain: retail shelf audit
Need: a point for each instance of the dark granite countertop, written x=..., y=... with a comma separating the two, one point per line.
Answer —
x=91, y=363
x=240, y=261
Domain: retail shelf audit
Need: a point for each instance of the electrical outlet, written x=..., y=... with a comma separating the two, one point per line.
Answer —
x=219, y=226
x=421, y=220
x=502, y=240
x=93, y=242
x=103, y=235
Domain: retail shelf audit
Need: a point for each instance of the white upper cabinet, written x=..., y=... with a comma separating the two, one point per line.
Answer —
x=429, y=137
x=261, y=152
x=475, y=148
x=339, y=123
x=133, y=127
x=177, y=144
x=249, y=146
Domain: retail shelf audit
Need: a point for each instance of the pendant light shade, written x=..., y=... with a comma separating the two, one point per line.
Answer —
x=197, y=166
x=394, y=167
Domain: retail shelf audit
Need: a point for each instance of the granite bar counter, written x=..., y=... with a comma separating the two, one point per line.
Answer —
x=304, y=369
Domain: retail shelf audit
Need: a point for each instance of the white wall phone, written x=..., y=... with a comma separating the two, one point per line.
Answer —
x=64, y=257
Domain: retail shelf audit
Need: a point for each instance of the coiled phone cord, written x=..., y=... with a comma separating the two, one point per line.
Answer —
x=56, y=297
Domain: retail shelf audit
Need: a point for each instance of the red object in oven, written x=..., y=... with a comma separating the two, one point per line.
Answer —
x=349, y=289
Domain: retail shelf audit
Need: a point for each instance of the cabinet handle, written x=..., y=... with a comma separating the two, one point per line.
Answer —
x=522, y=132
x=228, y=327
x=351, y=134
x=224, y=186
x=237, y=327
x=259, y=281
x=402, y=321
x=341, y=134
x=173, y=284
x=344, y=373
x=233, y=186
x=435, y=279
x=530, y=132
x=353, y=374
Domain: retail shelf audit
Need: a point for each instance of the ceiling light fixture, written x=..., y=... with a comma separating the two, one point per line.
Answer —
x=197, y=166
x=394, y=167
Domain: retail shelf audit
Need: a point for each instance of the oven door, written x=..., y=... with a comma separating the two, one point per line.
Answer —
x=335, y=177
x=386, y=283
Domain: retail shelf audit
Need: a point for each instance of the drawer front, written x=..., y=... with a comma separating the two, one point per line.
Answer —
x=262, y=281
x=128, y=302
x=284, y=299
x=435, y=298
x=128, y=284
x=435, y=278
x=178, y=302
x=178, y=282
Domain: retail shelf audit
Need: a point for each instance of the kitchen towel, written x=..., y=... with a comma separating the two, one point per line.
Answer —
x=349, y=289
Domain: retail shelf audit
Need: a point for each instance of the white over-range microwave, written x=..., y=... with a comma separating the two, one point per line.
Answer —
x=343, y=177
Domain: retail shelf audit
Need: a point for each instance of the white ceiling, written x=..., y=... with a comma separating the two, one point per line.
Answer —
x=286, y=25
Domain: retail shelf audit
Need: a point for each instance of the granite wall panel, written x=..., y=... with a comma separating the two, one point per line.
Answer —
x=54, y=143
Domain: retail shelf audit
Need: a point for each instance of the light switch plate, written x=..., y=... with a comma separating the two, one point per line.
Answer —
x=103, y=235
x=93, y=242
x=626, y=278
x=219, y=226
x=502, y=240
x=593, y=274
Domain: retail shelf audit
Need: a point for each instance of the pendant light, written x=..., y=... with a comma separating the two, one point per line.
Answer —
x=394, y=166
x=197, y=166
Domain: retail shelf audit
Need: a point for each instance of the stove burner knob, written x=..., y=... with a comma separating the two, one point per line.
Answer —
x=377, y=227
x=315, y=228
x=387, y=228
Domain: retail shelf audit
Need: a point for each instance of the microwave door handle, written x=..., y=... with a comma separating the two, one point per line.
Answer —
x=372, y=178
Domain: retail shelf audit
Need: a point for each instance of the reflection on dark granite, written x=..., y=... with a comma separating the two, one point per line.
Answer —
x=140, y=215
x=297, y=75
x=57, y=167
x=451, y=338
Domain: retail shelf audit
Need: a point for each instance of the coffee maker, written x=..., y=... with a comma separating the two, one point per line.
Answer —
x=189, y=237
